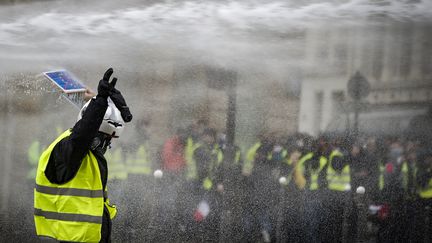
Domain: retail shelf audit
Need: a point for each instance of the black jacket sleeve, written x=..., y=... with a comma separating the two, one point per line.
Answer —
x=66, y=156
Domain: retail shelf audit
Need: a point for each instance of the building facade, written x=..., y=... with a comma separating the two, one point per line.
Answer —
x=394, y=56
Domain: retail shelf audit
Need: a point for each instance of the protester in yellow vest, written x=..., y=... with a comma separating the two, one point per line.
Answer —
x=138, y=159
x=250, y=158
x=139, y=163
x=191, y=167
x=70, y=196
x=290, y=223
x=338, y=179
x=116, y=164
x=208, y=157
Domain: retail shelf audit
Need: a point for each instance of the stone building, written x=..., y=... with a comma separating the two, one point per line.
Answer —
x=395, y=57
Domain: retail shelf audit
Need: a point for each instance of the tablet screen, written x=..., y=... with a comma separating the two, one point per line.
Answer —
x=65, y=81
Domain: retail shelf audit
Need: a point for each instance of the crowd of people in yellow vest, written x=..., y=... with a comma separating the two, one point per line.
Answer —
x=281, y=188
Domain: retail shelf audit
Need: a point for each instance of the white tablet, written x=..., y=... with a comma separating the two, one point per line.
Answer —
x=65, y=81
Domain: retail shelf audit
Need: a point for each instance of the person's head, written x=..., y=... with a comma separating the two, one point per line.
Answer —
x=208, y=136
x=111, y=127
x=293, y=143
x=294, y=156
x=323, y=144
x=309, y=144
x=182, y=135
x=371, y=144
x=222, y=140
x=355, y=149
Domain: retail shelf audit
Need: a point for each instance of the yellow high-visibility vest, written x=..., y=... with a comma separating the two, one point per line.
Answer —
x=250, y=158
x=191, y=169
x=33, y=154
x=237, y=157
x=208, y=181
x=426, y=192
x=338, y=181
x=139, y=163
x=71, y=211
x=405, y=174
x=381, y=177
x=284, y=153
x=296, y=173
x=315, y=174
x=117, y=169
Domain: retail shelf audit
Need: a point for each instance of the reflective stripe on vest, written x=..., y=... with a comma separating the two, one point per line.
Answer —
x=68, y=216
x=139, y=162
x=71, y=211
x=338, y=181
x=69, y=191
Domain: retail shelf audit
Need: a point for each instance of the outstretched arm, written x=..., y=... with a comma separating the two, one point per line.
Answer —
x=67, y=155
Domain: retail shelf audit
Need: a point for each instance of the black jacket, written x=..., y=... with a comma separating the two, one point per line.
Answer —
x=205, y=160
x=67, y=155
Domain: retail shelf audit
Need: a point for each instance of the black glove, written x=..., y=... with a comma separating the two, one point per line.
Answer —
x=105, y=88
x=120, y=103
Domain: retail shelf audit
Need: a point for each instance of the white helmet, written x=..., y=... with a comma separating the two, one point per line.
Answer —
x=112, y=123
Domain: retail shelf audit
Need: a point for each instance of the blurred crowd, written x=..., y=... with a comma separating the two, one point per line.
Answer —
x=281, y=188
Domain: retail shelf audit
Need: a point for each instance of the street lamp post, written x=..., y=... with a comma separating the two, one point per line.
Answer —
x=358, y=89
x=223, y=79
x=226, y=80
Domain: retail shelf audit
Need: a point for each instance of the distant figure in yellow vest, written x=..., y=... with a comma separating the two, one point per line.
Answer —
x=207, y=158
x=313, y=163
x=70, y=196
